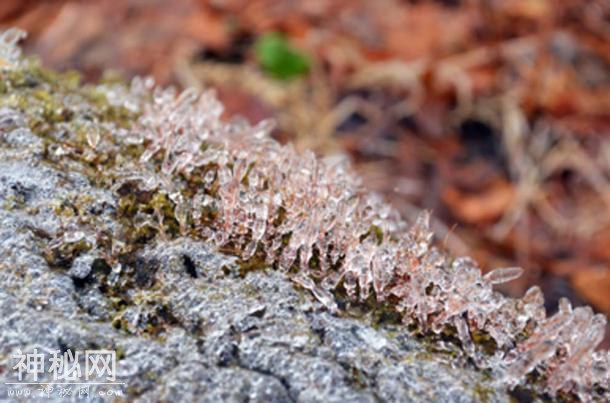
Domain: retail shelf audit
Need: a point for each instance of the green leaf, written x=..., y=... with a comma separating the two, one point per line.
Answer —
x=278, y=58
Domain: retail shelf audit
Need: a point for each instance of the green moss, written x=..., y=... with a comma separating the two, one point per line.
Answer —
x=63, y=255
x=485, y=342
x=483, y=393
x=120, y=352
x=375, y=232
x=256, y=263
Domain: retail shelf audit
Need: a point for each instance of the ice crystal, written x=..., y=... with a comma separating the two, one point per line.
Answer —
x=311, y=218
x=10, y=53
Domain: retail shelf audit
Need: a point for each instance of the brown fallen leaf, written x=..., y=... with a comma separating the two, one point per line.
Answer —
x=594, y=286
x=487, y=205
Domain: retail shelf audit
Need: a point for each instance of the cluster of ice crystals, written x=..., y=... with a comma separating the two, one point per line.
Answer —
x=311, y=218
x=10, y=52
x=130, y=98
x=174, y=126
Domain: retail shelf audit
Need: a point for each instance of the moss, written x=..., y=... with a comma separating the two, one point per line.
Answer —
x=251, y=265
x=485, y=342
x=120, y=352
x=63, y=255
x=245, y=180
x=120, y=324
x=314, y=262
x=65, y=208
x=54, y=104
x=373, y=231
x=13, y=202
x=385, y=314
x=118, y=304
x=483, y=393
x=251, y=291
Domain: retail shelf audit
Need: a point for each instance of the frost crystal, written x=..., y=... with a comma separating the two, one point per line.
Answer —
x=10, y=53
x=310, y=217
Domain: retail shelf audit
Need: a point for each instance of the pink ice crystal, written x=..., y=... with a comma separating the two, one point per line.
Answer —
x=311, y=218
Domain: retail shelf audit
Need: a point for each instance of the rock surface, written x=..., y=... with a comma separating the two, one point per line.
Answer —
x=196, y=328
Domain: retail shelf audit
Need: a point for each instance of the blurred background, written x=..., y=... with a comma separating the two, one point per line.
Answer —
x=494, y=114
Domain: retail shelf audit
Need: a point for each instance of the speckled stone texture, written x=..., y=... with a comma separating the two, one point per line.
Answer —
x=196, y=327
